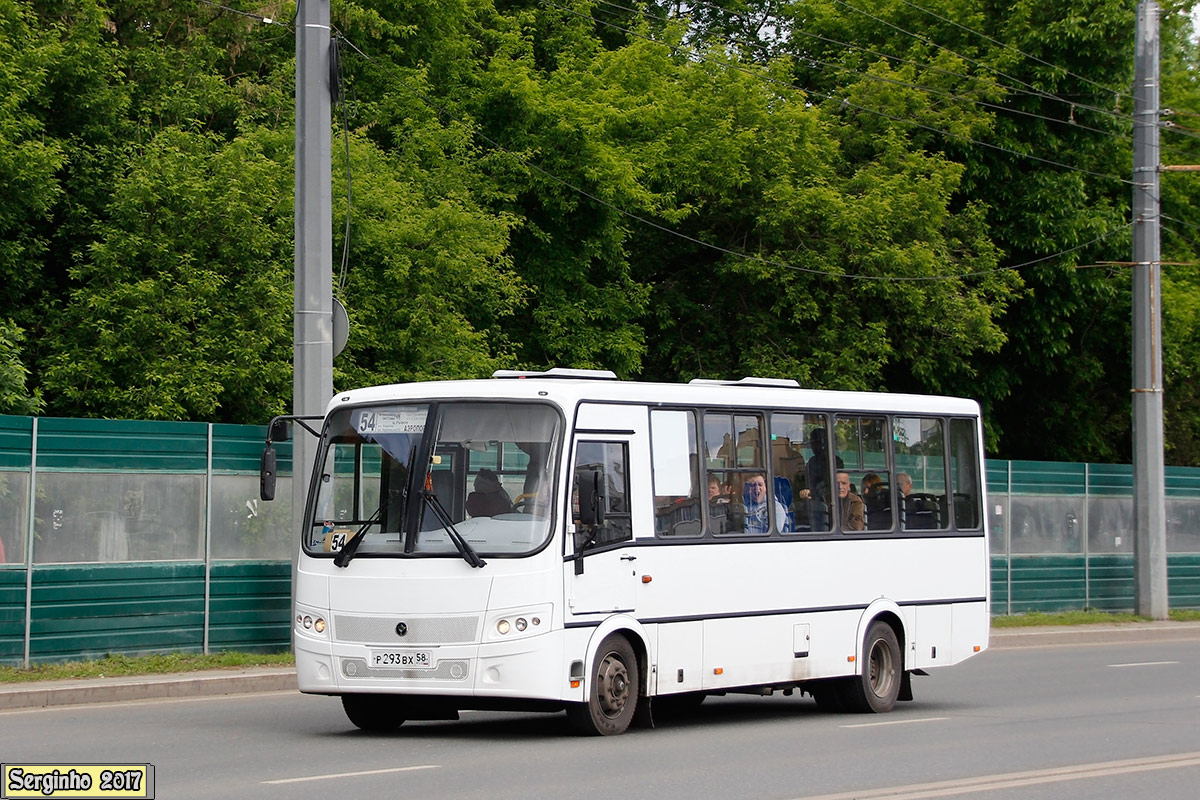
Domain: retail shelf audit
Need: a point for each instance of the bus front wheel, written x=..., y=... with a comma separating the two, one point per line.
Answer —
x=613, y=693
x=373, y=712
x=878, y=687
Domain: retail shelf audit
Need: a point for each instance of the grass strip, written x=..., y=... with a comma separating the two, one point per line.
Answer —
x=115, y=666
x=1085, y=617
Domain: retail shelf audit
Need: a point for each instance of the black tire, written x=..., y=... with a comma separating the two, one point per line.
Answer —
x=875, y=691
x=613, y=693
x=373, y=712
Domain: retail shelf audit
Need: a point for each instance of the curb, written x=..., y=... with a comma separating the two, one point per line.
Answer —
x=150, y=687
x=1075, y=635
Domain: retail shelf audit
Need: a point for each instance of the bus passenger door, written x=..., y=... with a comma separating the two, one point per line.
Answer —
x=601, y=571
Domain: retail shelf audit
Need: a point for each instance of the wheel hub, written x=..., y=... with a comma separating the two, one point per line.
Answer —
x=882, y=670
x=612, y=685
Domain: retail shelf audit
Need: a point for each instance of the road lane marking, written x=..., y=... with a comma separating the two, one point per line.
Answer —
x=333, y=775
x=894, y=722
x=1144, y=664
x=1011, y=780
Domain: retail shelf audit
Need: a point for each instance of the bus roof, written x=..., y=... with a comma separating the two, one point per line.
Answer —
x=569, y=387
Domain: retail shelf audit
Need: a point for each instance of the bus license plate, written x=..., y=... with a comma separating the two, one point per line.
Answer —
x=402, y=659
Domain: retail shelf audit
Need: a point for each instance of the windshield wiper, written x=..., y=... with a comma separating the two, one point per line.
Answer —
x=351, y=546
x=464, y=548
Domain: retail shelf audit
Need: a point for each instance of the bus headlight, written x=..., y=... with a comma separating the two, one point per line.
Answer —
x=310, y=622
x=519, y=623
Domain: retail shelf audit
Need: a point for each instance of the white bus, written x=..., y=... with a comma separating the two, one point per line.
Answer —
x=567, y=540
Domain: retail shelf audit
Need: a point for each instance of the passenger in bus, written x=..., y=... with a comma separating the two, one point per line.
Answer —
x=755, y=496
x=850, y=506
x=716, y=493
x=877, y=500
x=903, y=489
x=489, y=497
x=816, y=479
x=817, y=468
x=718, y=505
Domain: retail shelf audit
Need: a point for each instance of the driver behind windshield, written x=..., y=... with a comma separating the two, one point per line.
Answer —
x=489, y=497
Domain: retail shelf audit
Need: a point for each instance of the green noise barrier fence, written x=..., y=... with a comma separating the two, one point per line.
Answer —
x=134, y=537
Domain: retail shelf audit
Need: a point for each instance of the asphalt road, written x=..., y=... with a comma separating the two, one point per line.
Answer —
x=1097, y=721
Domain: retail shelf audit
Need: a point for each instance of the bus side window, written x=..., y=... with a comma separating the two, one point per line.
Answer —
x=964, y=474
x=921, y=472
x=800, y=464
x=611, y=460
x=677, y=509
x=733, y=453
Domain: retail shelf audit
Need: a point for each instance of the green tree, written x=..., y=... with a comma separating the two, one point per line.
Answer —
x=1050, y=175
x=14, y=396
x=30, y=160
x=182, y=306
x=1181, y=238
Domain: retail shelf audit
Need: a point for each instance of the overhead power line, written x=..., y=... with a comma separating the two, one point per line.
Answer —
x=829, y=65
x=978, y=63
x=1022, y=53
x=843, y=101
x=1024, y=89
x=444, y=113
x=247, y=14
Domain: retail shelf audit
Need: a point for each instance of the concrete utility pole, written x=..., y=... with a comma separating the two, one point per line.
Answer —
x=312, y=378
x=1149, y=507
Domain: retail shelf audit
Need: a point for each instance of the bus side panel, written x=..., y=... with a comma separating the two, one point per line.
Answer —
x=680, y=657
x=972, y=624
x=933, y=638
x=750, y=651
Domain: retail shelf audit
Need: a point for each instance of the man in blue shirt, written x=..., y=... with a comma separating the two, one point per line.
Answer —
x=755, y=495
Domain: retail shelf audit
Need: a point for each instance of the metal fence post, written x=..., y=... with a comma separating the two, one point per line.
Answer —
x=208, y=495
x=1086, y=533
x=1008, y=539
x=30, y=516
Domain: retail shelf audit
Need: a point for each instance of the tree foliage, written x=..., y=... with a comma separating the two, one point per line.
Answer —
x=903, y=195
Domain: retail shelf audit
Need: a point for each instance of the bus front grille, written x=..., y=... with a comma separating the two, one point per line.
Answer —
x=418, y=630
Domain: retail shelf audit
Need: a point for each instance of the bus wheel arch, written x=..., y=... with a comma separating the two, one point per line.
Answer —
x=613, y=689
x=880, y=676
x=881, y=610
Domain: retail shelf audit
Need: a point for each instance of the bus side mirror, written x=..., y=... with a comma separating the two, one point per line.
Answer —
x=590, y=484
x=280, y=431
x=266, y=474
x=591, y=496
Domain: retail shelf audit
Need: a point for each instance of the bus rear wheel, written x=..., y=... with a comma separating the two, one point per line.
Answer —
x=875, y=691
x=373, y=712
x=613, y=693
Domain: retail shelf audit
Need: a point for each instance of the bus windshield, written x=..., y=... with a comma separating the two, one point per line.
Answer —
x=388, y=472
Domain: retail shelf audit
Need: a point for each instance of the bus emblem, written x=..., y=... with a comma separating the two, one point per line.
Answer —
x=401, y=628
